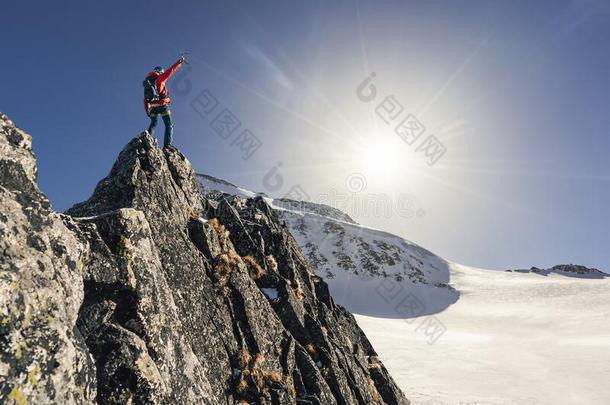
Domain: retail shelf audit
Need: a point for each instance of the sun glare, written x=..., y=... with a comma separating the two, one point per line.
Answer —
x=381, y=158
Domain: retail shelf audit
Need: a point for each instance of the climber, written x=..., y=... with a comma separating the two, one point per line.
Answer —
x=156, y=98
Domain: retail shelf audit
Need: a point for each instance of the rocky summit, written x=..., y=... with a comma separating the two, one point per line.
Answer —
x=149, y=293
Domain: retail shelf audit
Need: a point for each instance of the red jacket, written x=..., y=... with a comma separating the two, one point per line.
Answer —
x=161, y=88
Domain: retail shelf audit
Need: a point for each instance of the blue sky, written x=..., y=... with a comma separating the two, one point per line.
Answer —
x=516, y=91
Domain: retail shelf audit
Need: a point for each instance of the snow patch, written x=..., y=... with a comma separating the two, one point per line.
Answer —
x=271, y=293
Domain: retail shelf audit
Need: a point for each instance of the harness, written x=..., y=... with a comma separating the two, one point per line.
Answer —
x=165, y=112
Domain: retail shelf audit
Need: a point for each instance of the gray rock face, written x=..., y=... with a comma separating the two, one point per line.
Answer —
x=43, y=355
x=150, y=293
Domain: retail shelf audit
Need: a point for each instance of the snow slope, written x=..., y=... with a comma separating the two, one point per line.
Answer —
x=513, y=337
x=210, y=184
x=365, y=267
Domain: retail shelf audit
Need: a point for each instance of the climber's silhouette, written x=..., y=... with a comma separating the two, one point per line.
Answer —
x=156, y=98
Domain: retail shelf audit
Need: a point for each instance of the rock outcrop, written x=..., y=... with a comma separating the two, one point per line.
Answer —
x=150, y=293
x=568, y=270
x=43, y=356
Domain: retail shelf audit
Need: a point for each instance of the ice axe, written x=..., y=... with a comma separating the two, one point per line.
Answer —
x=183, y=56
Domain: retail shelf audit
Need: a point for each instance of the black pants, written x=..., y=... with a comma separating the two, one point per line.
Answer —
x=166, y=115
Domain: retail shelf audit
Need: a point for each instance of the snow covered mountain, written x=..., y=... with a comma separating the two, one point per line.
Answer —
x=452, y=334
x=357, y=261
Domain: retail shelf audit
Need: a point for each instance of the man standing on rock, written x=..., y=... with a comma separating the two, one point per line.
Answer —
x=156, y=98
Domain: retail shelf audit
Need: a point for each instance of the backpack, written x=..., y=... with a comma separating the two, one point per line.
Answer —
x=150, y=88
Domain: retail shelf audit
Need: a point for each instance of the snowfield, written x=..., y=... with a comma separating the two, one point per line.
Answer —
x=511, y=338
x=451, y=334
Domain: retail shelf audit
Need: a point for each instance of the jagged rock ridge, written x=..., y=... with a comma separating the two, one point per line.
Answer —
x=149, y=293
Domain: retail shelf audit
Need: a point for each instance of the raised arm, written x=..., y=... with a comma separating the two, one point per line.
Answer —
x=169, y=72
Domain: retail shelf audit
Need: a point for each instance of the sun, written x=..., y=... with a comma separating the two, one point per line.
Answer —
x=381, y=158
x=385, y=162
